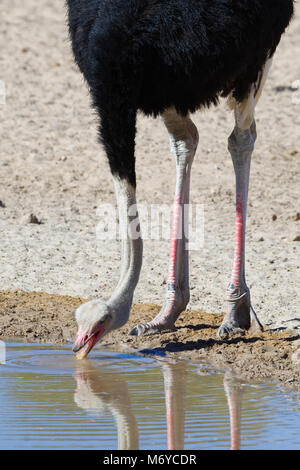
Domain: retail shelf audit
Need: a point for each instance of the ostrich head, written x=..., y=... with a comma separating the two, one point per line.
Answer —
x=95, y=319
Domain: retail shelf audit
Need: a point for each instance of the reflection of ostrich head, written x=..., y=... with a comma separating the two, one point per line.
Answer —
x=98, y=391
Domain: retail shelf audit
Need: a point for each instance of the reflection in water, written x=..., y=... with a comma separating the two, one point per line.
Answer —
x=175, y=391
x=234, y=391
x=100, y=392
x=149, y=402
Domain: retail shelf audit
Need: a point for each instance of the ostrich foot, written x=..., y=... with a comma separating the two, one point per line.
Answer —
x=166, y=318
x=151, y=328
x=240, y=316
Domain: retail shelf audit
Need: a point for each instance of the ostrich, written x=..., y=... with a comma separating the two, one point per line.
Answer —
x=170, y=58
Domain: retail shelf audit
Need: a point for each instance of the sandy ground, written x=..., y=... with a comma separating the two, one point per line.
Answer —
x=51, y=166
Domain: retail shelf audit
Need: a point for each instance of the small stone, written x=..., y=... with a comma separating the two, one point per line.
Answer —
x=30, y=219
x=280, y=88
x=274, y=217
x=2, y=204
x=284, y=355
x=296, y=217
x=297, y=239
x=34, y=219
x=261, y=239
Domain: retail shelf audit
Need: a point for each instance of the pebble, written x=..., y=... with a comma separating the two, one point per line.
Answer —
x=2, y=204
x=296, y=217
x=30, y=219
x=297, y=239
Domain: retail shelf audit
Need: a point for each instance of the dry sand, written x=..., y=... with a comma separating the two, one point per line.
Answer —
x=52, y=166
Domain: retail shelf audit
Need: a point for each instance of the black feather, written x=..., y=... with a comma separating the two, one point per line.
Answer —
x=149, y=55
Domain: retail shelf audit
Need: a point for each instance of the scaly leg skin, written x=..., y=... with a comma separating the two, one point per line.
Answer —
x=184, y=140
x=240, y=315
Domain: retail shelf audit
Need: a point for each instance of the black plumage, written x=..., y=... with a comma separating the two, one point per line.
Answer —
x=150, y=55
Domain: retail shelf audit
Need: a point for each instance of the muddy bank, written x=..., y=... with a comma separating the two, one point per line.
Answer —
x=46, y=318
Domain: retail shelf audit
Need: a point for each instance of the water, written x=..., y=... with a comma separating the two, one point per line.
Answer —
x=48, y=400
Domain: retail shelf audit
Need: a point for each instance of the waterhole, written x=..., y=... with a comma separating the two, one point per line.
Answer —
x=48, y=400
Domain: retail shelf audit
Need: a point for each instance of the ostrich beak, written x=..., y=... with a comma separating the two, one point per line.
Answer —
x=84, y=343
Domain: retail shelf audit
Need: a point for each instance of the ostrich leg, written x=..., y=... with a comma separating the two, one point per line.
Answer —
x=183, y=139
x=240, y=315
x=237, y=318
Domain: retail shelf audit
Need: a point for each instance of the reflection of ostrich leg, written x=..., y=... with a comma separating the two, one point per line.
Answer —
x=234, y=393
x=174, y=379
x=98, y=391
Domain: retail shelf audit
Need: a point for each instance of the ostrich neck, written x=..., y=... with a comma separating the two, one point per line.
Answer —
x=128, y=435
x=131, y=251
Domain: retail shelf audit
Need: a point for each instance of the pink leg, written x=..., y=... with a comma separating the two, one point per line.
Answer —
x=239, y=242
x=184, y=140
x=240, y=313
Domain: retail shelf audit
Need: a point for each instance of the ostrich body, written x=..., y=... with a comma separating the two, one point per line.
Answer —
x=171, y=58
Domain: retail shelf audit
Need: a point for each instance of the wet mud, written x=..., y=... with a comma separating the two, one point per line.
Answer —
x=46, y=318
